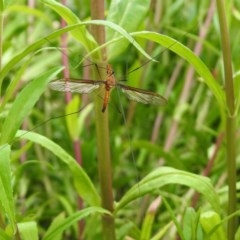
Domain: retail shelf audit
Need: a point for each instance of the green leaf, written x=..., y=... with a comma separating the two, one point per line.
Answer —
x=36, y=45
x=188, y=221
x=173, y=217
x=4, y=236
x=191, y=226
x=1, y=6
x=120, y=31
x=72, y=109
x=129, y=20
x=56, y=222
x=165, y=175
x=162, y=232
x=209, y=220
x=23, y=104
x=75, y=121
x=33, y=47
x=124, y=14
x=83, y=183
x=9, y=93
x=28, y=230
x=236, y=89
x=6, y=191
x=82, y=117
x=81, y=33
x=66, y=223
x=188, y=55
x=4, y=4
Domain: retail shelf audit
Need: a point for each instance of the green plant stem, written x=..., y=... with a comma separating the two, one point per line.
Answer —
x=231, y=119
x=102, y=130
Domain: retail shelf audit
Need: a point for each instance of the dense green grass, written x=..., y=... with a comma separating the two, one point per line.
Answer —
x=147, y=172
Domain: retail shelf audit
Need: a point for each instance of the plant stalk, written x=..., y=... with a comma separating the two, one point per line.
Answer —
x=102, y=131
x=1, y=43
x=231, y=119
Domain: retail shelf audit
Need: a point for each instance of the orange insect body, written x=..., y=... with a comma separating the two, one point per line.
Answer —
x=109, y=84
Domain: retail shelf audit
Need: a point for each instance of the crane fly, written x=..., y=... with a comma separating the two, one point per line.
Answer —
x=87, y=86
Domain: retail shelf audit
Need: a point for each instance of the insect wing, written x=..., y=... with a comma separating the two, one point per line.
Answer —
x=77, y=86
x=142, y=96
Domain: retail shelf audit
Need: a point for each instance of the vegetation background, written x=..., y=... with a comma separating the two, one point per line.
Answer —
x=152, y=185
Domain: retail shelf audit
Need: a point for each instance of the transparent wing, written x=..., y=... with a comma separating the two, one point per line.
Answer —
x=72, y=85
x=142, y=96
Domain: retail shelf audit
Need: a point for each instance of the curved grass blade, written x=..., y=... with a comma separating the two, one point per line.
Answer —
x=209, y=220
x=75, y=217
x=84, y=37
x=23, y=104
x=82, y=182
x=122, y=32
x=188, y=55
x=166, y=175
x=6, y=191
x=36, y=45
x=31, y=48
x=81, y=33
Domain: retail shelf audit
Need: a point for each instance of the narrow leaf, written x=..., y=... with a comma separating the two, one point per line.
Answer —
x=66, y=223
x=188, y=55
x=209, y=220
x=83, y=183
x=28, y=230
x=23, y=104
x=81, y=33
x=166, y=175
x=6, y=191
x=130, y=21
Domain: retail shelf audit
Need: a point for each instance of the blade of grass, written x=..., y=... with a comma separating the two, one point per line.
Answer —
x=23, y=104
x=36, y=45
x=81, y=33
x=82, y=182
x=174, y=218
x=6, y=191
x=28, y=230
x=67, y=222
x=188, y=55
x=166, y=175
